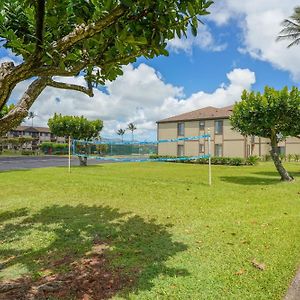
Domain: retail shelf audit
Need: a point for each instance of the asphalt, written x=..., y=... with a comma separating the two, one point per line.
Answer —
x=293, y=292
x=32, y=162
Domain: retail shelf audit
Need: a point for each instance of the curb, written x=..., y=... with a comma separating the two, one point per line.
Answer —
x=293, y=292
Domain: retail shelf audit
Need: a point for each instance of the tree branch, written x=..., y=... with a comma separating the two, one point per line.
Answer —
x=20, y=111
x=39, y=28
x=68, y=86
x=85, y=31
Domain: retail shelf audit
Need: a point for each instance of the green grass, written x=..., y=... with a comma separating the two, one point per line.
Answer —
x=176, y=236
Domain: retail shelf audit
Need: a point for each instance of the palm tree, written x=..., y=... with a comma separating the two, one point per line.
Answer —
x=132, y=128
x=291, y=30
x=121, y=132
x=31, y=116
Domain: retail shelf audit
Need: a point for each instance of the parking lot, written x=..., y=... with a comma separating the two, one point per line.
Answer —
x=30, y=162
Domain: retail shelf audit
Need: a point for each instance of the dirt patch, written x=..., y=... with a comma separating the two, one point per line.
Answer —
x=89, y=278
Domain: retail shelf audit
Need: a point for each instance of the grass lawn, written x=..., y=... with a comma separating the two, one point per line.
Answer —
x=153, y=230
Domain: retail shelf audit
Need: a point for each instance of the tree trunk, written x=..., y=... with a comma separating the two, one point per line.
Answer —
x=285, y=176
x=82, y=161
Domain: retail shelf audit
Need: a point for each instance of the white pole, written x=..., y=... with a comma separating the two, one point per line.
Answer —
x=209, y=158
x=69, y=154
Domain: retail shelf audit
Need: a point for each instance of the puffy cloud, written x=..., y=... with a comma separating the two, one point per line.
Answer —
x=204, y=40
x=139, y=96
x=260, y=23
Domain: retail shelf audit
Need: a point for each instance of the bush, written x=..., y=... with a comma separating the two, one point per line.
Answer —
x=54, y=148
x=297, y=157
x=27, y=152
x=229, y=161
x=267, y=157
x=252, y=160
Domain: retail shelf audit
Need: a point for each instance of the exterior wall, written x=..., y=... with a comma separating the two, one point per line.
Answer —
x=39, y=136
x=167, y=131
x=233, y=143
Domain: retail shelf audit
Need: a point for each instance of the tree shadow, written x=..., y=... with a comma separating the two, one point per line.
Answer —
x=275, y=174
x=250, y=180
x=86, y=251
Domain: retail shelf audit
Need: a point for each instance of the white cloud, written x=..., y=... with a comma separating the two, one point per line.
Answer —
x=139, y=96
x=260, y=23
x=204, y=40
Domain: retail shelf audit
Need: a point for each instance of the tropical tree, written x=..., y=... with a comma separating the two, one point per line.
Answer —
x=75, y=127
x=291, y=28
x=121, y=132
x=132, y=128
x=93, y=39
x=31, y=116
x=273, y=115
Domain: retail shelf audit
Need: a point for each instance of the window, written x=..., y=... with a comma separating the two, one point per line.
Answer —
x=219, y=127
x=180, y=129
x=180, y=150
x=202, y=125
x=201, y=148
x=218, y=150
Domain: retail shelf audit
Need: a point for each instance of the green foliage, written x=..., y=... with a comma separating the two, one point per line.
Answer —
x=5, y=110
x=291, y=28
x=274, y=114
x=229, y=161
x=74, y=126
x=27, y=152
x=267, y=157
x=297, y=157
x=144, y=29
x=54, y=148
x=252, y=160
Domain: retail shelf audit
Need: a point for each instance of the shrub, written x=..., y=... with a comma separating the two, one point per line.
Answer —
x=27, y=152
x=252, y=160
x=297, y=157
x=267, y=157
x=54, y=148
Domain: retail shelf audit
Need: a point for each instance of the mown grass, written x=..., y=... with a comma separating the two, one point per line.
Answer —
x=176, y=236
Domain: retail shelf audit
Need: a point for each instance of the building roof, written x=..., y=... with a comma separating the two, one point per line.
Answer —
x=205, y=113
x=32, y=129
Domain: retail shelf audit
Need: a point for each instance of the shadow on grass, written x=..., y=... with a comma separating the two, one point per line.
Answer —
x=250, y=180
x=75, y=252
x=275, y=174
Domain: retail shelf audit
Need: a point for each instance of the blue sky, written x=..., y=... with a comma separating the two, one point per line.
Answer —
x=235, y=50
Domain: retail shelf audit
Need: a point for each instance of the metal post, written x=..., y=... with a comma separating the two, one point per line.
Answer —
x=69, y=154
x=209, y=158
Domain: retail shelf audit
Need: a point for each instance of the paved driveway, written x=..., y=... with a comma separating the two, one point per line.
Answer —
x=29, y=162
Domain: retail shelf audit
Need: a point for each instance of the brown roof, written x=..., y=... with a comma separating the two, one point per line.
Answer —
x=32, y=129
x=205, y=113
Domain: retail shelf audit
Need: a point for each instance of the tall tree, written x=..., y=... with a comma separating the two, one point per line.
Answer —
x=132, y=128
x=273, y=115
x=31, y=116
x=91, y=38
x=77, y=128
x=121, y=132
x=291, y=29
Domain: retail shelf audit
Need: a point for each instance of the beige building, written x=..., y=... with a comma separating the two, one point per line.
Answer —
x=224, y=140
x=39, y=134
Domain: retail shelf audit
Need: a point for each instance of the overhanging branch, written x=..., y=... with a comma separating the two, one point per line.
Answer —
x=68, y=86
x=85, y=31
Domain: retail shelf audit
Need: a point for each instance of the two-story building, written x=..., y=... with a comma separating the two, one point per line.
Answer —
x=224, y=140
x=39, y=134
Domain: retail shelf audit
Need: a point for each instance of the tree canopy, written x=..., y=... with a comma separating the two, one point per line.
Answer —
x=275, y=115
x=74, y=126
x=91, y=38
